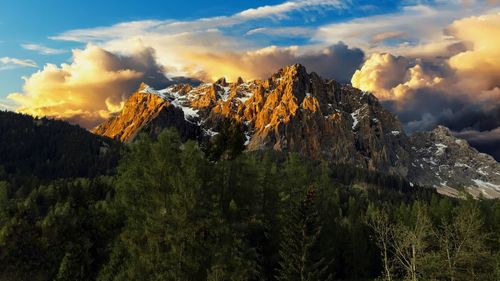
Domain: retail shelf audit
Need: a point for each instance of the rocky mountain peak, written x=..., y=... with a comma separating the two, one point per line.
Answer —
x=300, y=112
x=442, y=132
x=446, y=162
x=222, y=82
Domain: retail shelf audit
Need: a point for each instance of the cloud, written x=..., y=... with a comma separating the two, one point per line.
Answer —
x=5, y=105
x=461, y=91
x=9, y=62
x=279, y=11
x=91, y=88
x=478, y=68
x=415, y=30
x=471, y=75
x=43, y=49
x=282, y=31
x=100, y=78
x=392, y=77
x=382, y=36
x=210, y=55
x=138, y=28
x=337, y=61
x=486, y=141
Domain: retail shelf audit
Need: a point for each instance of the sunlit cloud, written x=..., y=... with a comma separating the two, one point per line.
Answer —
x=337, y=61
x=88, y=90
x=461, y=91
x=418, y=28
x=474, y=72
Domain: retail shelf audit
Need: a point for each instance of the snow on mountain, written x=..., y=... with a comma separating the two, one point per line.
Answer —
x=322, y=119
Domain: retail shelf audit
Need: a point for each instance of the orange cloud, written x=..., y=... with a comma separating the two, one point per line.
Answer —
x=88, y=90
x=337, y=61
x=475, y=72
x=479, y=67
x=391, y=77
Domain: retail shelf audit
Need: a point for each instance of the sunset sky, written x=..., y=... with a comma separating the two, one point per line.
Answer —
x=430, y=62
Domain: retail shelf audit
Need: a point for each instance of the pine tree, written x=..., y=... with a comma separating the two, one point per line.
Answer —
x=301, y=260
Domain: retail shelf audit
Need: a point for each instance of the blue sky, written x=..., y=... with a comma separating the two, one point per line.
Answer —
x=32, y=22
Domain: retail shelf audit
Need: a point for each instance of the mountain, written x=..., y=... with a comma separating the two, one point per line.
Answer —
x=441, y=160
x=294, y=111
x=48, y=149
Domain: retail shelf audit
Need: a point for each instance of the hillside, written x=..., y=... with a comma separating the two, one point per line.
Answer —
x=49, y=149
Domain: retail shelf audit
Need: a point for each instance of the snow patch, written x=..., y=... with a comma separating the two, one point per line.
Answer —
x=440, y=148
x=486, y=185
x=458, y=164
x=210, y=132
x=482, y=172
x=396, y=133
x=148, y=90
x=245, y=97
x=225, y=94
x=355, y=120
x=248, y=137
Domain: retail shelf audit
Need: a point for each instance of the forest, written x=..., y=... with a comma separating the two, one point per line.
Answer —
x=173, y=209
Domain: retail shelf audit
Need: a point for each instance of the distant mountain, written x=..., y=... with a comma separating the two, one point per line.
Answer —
x=441, y=160
x=50, y=149
x=321, y=119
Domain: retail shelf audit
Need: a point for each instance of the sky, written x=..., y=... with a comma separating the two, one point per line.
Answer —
x=430, y=62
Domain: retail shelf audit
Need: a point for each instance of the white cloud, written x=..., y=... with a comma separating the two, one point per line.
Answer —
x=282, y=31
x=138, y=28
x=9, y=62
x=419, y=28
x=6, y=105
x=43, y=49
x=280, y=10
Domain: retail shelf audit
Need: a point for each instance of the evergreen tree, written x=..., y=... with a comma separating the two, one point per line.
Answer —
x=300, y=257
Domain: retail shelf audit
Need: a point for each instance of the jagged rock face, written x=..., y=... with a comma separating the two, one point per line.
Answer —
x=290, y=111
x=147, y=112
x=441, y=160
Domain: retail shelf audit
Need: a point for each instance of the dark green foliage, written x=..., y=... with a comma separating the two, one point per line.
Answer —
x=173, y=213
x=301, y=257
x=58, y=231
x=228, y=143
x=50, y=149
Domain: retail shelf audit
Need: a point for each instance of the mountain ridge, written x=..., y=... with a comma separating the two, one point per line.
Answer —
x=299, y=112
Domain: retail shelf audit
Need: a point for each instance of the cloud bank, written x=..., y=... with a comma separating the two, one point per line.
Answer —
x=89, y=89
x=461, y=91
